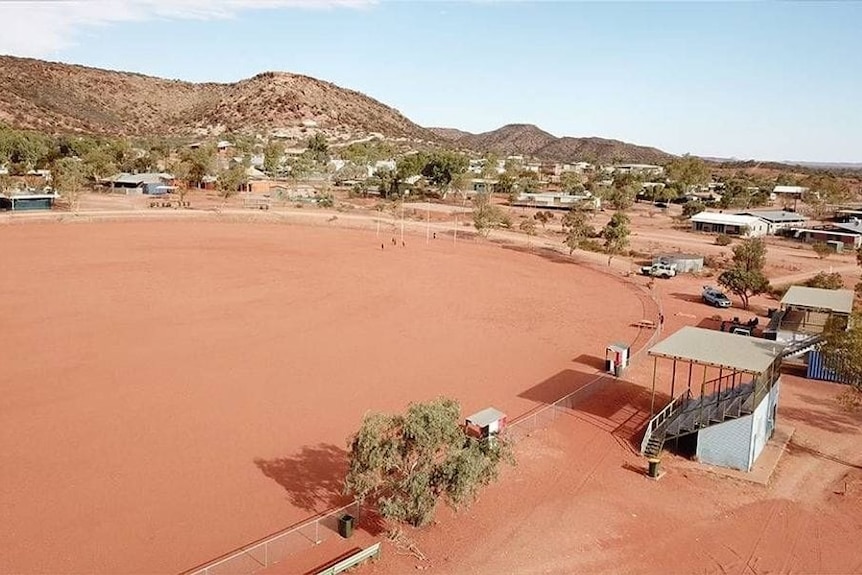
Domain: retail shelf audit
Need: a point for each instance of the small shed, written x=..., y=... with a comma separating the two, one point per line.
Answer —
x=486, y=423
x=617, y=358
x=685, y=263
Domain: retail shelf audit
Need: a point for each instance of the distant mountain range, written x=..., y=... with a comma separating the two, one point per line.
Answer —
x=529, y=140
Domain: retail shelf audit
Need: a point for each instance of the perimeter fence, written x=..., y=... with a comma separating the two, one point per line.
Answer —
x=277, y=547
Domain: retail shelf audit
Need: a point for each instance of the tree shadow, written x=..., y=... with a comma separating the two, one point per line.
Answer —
x=691, y=298
x=795, y=447
x=543, y=252
x=313, y=478
x=826, y=421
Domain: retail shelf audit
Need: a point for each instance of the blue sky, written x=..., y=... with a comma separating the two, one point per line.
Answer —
x=776, y=81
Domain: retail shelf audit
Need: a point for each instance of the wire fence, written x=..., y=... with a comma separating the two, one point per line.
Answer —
x=277, y=547
x=543, y=417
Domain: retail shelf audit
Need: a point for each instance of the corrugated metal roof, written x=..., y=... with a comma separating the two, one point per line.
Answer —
x=837, y=300
x=789, y=190
x=775, y=216
x=732, y=219
x=718, y=349
x=486, y=417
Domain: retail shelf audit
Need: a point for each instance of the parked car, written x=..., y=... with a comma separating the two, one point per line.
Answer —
x=659, y=270
x=715, y=297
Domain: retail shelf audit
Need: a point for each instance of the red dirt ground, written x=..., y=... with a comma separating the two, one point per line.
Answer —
x=175, y=390
x=578, y=501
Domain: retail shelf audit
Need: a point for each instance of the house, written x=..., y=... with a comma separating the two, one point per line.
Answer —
x=556, y=200
x=550, y=169
x=730, y=224
x=482, y=185
x=153, y=183
x=789, y=192
x=848, y=236
x=777, y=219
x=641, y=169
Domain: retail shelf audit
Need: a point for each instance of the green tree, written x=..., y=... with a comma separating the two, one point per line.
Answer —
x=301, y=166
x=506, y=185
x=577, y=228
x=486, y=216
x=199, y=162
x=489, y=169
x=745, y=277
x=272, y=155
x=405, y=463
x=621, y=196
x=686, y=172
x=692, y=208
x=443, y=166
x=571, y=183
x=67, y=177
x=825, y=280
x=616, y=234
x=230, y=180
x=319, y=148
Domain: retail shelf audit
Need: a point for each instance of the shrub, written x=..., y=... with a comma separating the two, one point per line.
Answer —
x=722, y=240
x=822, y=249
x=824, y=280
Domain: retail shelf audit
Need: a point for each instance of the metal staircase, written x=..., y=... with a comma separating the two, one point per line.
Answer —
x=685, y=415
x=801, y=346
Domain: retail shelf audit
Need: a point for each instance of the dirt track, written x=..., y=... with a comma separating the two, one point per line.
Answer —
x=172, y=391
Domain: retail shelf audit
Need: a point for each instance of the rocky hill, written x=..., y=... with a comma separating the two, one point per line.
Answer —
x=529, y=140
x=54, y=97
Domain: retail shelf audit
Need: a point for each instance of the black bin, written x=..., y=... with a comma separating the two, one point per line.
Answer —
x=652, y=471
x=345, y=525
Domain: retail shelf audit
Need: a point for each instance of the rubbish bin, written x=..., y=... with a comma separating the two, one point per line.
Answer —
x=345, y=526
x=618, y=370
x=653, y=467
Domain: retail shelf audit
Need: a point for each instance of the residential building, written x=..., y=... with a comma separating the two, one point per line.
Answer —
x=153, y=183
x=790, y=192
x=777, y=220
x=639, y=169
x=556, y=200
x=730, y=224
x=848, y=235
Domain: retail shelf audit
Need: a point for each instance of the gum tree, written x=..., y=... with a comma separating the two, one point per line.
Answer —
x=405, y=463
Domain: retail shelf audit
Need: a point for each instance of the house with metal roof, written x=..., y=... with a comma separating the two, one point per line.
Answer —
x=848, y=234
x=777, y=219
x=153, y=183
x=788, y=191
x=724, y=391
x=730, y=224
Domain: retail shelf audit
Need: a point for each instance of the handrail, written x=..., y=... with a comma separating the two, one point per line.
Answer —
x=663, y=415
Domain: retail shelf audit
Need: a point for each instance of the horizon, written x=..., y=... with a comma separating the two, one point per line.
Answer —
x=649, y=79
